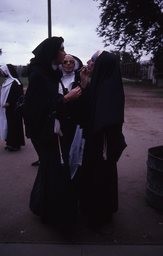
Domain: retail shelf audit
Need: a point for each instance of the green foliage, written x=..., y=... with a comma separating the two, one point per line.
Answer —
x=137, y=23
x=126, y=57
x=158, y=60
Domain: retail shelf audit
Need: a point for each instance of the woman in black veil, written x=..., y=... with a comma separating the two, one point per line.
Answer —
x=101, y=117
x=51, y=197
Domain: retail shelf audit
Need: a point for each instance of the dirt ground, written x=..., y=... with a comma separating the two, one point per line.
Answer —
x=135, y=222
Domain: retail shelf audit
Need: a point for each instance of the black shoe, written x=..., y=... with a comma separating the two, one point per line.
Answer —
x=36, y=163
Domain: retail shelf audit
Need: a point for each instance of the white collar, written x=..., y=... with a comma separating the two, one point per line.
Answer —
x=68, y=74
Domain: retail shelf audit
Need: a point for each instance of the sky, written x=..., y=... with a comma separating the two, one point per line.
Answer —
x=24, y=24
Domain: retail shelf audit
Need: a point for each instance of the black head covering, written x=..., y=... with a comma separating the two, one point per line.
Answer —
x=47, y=51
x=12, y=71
x=79, y=62
x=106, y=92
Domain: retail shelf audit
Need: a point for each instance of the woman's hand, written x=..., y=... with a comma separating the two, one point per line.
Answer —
x=84, y=77
x=73, y=94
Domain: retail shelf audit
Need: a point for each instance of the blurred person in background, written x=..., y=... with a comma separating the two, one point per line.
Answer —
x=11, y=121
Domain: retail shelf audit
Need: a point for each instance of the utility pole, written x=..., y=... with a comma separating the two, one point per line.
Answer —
x=49, y=19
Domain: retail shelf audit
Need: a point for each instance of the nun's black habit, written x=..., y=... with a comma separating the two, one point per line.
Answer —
x=51, y=193
x=102, y=120
x=15, y=133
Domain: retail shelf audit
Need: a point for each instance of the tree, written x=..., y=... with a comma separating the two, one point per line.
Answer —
x=138, y=24
x=158, y=60
x=125, y=57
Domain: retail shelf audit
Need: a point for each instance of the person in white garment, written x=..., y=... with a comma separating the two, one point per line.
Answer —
x=11, y=121
x=69, y=80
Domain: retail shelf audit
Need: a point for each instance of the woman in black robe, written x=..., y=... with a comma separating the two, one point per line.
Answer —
x=11, y=93
x=101, y=117
x=44, y=108
x=69, y=80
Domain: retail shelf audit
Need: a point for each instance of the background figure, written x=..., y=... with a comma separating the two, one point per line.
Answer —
x=102, y=117
x=11, y=122
x=51, y=196
x=70, y=79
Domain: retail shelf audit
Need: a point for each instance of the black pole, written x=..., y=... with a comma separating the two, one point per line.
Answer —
x=49, y=19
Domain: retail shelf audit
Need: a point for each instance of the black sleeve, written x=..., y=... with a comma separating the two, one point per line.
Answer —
x=42, y=104
x=16, y=91
x=82, y=113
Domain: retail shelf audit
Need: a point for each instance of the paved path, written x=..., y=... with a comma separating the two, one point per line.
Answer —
x=136, y=223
